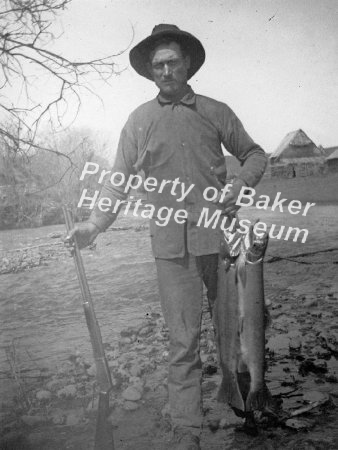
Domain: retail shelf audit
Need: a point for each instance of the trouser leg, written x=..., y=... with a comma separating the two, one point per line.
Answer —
x=181, y=292
x=180, y=288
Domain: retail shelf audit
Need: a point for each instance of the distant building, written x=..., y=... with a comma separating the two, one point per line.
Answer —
x=329, y=150
x=332, y=160
x=297, y=156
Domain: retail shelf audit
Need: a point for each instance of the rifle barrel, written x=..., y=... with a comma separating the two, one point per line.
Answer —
x=104, y=432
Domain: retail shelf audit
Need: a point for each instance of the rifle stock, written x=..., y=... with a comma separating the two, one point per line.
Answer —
x=104, y=431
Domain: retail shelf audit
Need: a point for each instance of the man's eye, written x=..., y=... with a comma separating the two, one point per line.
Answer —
x=172, y=63
x=157, y=66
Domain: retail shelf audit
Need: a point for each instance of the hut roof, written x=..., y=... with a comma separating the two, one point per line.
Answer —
x=297, y=140
x=329, y=150
x=333, y=155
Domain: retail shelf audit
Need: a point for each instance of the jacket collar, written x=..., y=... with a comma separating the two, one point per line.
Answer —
x=188, y=99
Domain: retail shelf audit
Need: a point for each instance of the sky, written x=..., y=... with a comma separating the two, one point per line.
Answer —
x=274, y=62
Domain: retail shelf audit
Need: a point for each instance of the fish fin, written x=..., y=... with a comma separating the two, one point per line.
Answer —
x=256, y=400
x=229, y=392
x=239, y=412
x=241, y=269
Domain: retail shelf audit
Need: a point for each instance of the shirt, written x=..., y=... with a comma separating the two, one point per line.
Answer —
x=182, y=140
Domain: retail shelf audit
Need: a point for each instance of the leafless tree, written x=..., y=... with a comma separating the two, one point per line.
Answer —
x=25, y=44
x=35, y=186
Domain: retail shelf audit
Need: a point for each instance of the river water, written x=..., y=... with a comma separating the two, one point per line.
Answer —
x=41, y=308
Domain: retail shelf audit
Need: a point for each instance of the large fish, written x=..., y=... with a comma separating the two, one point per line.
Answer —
x=239, y=321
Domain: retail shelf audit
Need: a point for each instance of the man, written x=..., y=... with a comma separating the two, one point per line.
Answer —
x=176, y=139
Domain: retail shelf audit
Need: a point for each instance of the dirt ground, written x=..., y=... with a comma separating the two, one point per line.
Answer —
x=302, y=371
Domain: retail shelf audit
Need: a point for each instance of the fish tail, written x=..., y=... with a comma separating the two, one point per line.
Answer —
x=258, y=399
x=229, y=392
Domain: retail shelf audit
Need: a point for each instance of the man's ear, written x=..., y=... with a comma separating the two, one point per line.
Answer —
x=187, y=61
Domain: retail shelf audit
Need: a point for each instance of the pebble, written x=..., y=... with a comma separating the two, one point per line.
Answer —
x=130, y=406
x=204, y=357
x=126, y=340
x=67, y=391
x=137, y=383
x=74, y=417
x=223, y=423
x=320, y=351
x=132, y=394
x=146, y=331
x=161, y=390
x=136, y=370
x=55, y=235
x=57, y=417
x=128, y=332
x=331, y=378
x=315, y=396
x=53, y=385
x=92, y=370
x=310, y=302
x=295, y=343
x=43, y=395
x=299, y=424
x=278, y=343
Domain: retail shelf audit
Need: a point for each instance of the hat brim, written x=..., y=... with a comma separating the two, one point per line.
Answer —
x=139, y=55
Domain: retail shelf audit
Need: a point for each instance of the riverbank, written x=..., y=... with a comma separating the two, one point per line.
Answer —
x=320, y=190
x=58, y=410
x=44, y=329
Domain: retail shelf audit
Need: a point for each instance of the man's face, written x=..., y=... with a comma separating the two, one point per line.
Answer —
x=169, y=69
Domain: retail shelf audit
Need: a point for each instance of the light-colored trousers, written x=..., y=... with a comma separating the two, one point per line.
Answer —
x=181, y=292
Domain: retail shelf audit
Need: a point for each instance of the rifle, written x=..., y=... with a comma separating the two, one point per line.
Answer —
x=104, y=430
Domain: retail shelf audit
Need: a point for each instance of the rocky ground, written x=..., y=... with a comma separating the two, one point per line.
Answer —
x=57, y=409
x=43, y=253
x=59, y=412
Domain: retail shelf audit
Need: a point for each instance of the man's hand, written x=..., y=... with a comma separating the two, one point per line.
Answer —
x=229, y=199
x=84, y=233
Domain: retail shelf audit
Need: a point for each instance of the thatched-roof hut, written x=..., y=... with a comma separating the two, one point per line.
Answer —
x=297, y=156
x=332, y=161
x=329, y=150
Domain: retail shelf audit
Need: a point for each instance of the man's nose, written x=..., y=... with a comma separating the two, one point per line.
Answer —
x=166, y=70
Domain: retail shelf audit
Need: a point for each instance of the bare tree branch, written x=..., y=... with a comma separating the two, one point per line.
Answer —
x=25, y=39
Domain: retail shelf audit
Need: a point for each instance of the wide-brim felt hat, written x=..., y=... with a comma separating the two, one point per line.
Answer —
x=139, y=55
